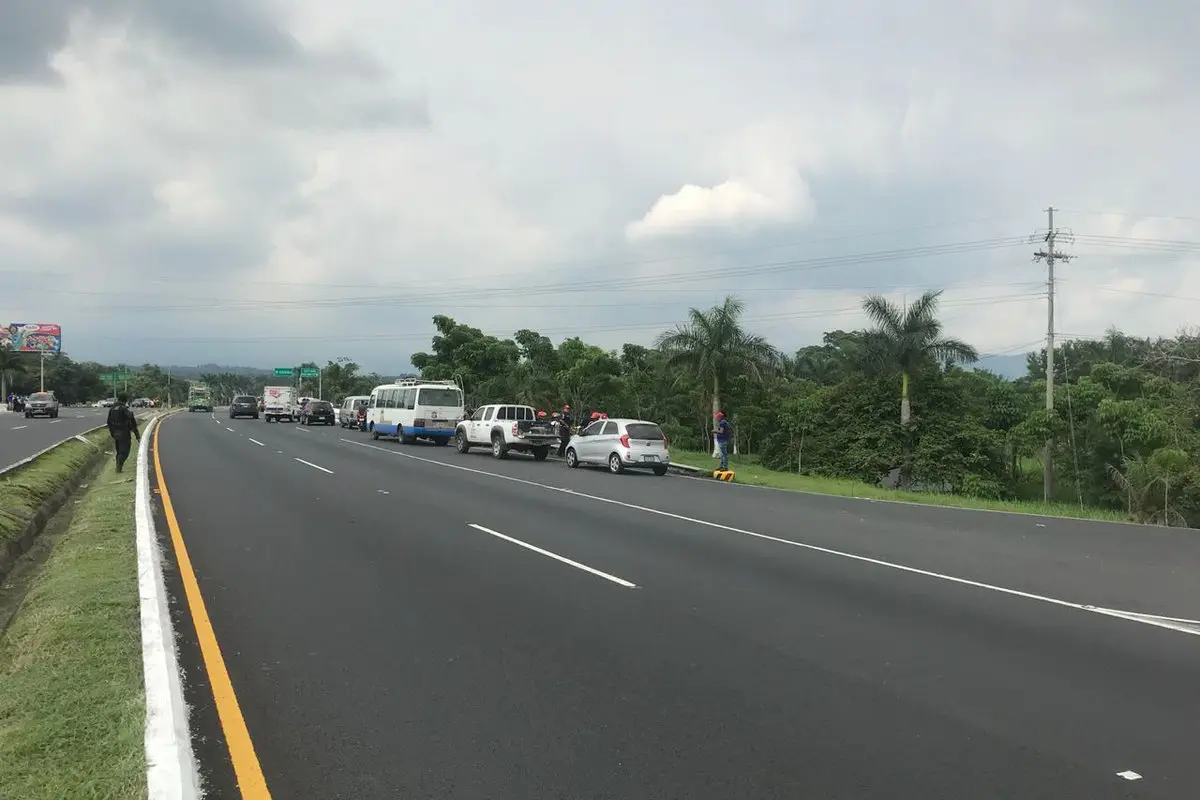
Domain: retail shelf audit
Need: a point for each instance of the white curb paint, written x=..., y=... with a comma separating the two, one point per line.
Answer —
x=172, y=772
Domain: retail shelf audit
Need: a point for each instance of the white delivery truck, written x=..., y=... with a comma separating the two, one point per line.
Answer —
x=277, y=403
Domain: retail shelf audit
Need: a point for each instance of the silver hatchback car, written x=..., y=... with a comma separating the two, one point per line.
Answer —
x=621, y=444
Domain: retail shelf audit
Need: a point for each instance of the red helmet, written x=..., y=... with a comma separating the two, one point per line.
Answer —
x=595, y=415
x=541, y=413
x=603, y=415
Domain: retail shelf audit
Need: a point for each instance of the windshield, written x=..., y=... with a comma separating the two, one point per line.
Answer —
x=644, y=430
x=319, y=405
x=243, y=398
x=41, y=396
x=440, y=397
x=360, y=403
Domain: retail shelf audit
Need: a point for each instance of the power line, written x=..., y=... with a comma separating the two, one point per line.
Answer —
x=1134, y=214
x=617, y=283
x=575, y=329
x=533, y=273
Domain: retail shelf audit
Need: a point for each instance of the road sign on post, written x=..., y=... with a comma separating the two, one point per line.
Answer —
x=285, y=372
x=309, y=372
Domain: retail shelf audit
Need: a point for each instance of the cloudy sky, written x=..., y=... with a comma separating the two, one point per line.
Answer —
x=253, y=182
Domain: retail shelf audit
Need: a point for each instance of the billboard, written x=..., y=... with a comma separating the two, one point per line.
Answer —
x=32, y=337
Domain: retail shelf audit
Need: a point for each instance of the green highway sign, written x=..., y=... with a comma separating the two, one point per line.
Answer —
x=284, y=372
x=309, y=372
x=116, y=376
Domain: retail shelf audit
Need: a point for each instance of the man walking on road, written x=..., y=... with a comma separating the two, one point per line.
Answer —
x=122, y=425
x=722, y=436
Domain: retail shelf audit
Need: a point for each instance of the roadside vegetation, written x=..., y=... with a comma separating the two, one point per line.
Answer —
x=72, y=707
x=900, y=404
x=23, y=492
x=751, y=472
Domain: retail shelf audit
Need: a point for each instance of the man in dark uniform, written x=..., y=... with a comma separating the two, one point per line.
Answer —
x=122, y=425
x=564, y=430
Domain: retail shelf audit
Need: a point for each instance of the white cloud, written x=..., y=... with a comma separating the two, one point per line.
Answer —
x=736, y=204
x=374, y=163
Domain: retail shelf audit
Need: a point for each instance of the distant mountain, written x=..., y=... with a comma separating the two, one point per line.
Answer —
x=215, y=369
x=1009, y=365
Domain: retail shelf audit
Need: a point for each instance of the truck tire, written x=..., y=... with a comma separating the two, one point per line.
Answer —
x=540, y=453
x=461, y=443
x=499, y=447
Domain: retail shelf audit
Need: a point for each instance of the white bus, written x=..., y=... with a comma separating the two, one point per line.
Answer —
x=412, y=409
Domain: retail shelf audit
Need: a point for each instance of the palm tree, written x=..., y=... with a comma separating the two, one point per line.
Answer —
x=908, y=337
x=713, y=346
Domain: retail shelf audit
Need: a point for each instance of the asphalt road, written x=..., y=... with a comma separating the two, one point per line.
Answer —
x=21, y=438
x=699, y=641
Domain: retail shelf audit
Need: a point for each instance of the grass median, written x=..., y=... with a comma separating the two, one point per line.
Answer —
x=23, y=492
x=747, y=471
x=72, y=705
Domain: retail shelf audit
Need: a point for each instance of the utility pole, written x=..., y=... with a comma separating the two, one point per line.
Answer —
x=1050, y=256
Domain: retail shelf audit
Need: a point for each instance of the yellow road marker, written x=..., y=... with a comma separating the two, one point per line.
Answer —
x=249, y=772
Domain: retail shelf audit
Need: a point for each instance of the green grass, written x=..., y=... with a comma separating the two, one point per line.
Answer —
x=72, y=707
x=23, y=493
x=748, y=471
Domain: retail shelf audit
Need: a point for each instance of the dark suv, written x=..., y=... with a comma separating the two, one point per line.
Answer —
x=317, y=411
x=41, y=404
x=243, y=406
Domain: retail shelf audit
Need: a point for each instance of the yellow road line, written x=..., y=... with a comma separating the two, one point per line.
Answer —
x=241, y=748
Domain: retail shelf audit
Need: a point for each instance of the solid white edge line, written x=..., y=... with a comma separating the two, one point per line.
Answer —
x=314, y=466
x=1155, y=621
x=555, y=556
x=231, y=430
x=172, y=772
x=257, y=442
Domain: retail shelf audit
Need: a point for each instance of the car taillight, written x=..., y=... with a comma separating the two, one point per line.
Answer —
x=625, y=440
x=666, y=442
x=516, y=429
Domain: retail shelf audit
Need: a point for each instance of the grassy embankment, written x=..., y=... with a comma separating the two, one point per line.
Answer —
x=72, y=708
x=748, y=471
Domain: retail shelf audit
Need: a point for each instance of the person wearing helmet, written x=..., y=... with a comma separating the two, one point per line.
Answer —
x=564, y=429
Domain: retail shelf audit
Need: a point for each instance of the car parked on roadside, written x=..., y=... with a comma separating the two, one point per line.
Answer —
x=505, y=428
x=620, y=444
x=317, y=412
x=353, y=412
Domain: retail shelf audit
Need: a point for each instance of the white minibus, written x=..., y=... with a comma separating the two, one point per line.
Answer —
x=412, y=409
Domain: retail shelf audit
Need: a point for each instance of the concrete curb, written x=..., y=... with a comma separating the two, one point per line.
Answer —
x=172, y=772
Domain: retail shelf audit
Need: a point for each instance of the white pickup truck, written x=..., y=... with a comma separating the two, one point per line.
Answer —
x=277, y=403
x=505, y=428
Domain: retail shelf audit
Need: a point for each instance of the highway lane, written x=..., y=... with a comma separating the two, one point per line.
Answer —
x=21, y=438
x=380, y=646
x=1132, y=568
